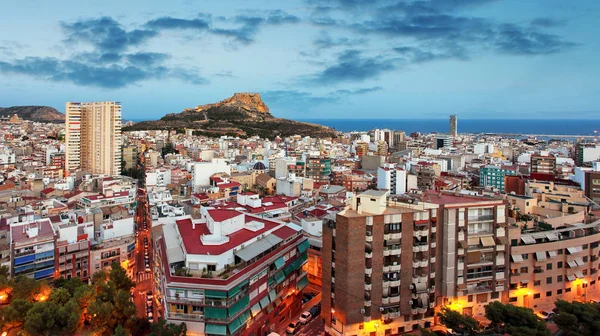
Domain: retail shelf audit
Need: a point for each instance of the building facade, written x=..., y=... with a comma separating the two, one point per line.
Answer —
x=93, y=137
x=493, y=175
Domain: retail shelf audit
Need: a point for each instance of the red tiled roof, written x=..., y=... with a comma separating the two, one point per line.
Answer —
x=102, y=196
x=284, y=232
x=193, y=244
x=45, y=230
x=228, y=185
x=47, y=190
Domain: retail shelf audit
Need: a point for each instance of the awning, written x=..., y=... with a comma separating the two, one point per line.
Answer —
x=579, y=275
x=279, y=263
x=217, y=313
x=234, y=325
x=579, y=262
x=253, y=250
x=473, y=241
x=487, y=241
x=279, y=277
x=540, y=256
x=212, y=294
x=517, y=258
x=524, y=281
x=571, y=277
x=255, y=309
x=215, y=329
x=244, y=317
x=462, y=244
x=528, y=239
x=552, y=254
x=572, y=264
x=575, y=249
x=238, y=306
x=272, y=295
x=264, y=302
x=302, y=247
x=289, y=269
x=302, y=283
x=237, y=288
x=551, y=236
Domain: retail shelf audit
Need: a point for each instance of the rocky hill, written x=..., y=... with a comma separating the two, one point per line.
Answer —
x=241, y=114
x=34, y=113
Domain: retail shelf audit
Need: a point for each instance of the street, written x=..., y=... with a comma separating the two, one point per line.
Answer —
x=142, y=278
x=313, y=328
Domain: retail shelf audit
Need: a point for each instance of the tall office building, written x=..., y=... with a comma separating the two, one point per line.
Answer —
x=93, y=137
x=453, y=126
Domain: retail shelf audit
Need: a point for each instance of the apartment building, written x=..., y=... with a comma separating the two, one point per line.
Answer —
x=32, y=248
x=453, y=126
x=318, y=169
x=557, y=264
x=398, y=256
x=586, y=152
x=542, y=167
x=493, y=175
x=93, y=137
x=392, y=178
x=229, y=273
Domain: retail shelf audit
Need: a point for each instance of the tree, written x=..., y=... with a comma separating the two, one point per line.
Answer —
x=119, y=277
x=427, y=332
x=60, y=296
x=120, y=331
x=514, y=320
x=458, y=322
x=16, y=312
x=578, y=318
x=25, y=288
x=138, y=326
x=161, y=328
x=70, y=285
x=48, y=318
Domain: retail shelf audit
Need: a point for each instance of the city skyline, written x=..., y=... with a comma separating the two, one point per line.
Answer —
x=407, y=59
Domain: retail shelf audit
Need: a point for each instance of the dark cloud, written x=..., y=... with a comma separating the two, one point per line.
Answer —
x=547, y=22
x=111, y=76
x=305, y=100
x=513, y=40
x=352, y=66
x=424, y=53
x=242, y=29
x=325, y=41
x=105, y=34
x=147, y=58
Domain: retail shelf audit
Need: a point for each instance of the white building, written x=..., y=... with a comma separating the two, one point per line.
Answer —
x=392, y=178
x=201, y=171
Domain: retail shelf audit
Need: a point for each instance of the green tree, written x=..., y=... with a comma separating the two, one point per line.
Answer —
x=458, y=322
x=48, y=318
x=578, y=318
x=16, y=312
x=119, y=277
x=69, y=284
x=120, y=331
x=514, y=320
x=138, y=326
x=161, y=328
x=60, y=296
x=25, y=288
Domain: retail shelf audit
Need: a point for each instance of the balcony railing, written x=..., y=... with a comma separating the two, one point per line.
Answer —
x=477, y=275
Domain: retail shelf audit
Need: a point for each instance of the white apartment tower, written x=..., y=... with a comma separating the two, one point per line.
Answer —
x=392, y=178
x=93, y=137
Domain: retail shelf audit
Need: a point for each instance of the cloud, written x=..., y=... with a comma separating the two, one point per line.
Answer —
x=425, y=53
x=294, y=99
x=513, y=40
x=241, y=28
x=111, y=76
x=547, y=22
x=325, y=41
x=147, y=58
x=105, y=34
x=352, y=66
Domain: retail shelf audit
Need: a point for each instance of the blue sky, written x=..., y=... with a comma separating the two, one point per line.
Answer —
x=308, y=58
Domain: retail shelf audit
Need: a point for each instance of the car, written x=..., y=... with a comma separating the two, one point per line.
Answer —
x=150, y=319
x=315, y=310
x=149, y=294
x=150, y=314
x=305, y=317
x=544, y=315
x=292, y=328
x=148, y=268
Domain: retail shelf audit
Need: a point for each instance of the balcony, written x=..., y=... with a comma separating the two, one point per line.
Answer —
x=433, y=229
x=479, y=275
x=185, y=317
x=385, y=300
x=416, y=249
x=414, y=311
x=368, y=255
x=386, y=269
x=500, y=288
x=500, y=248
x=433, y=244
x=432, y=275
x=367, y=303
x=432, y=259
x=461, y=266
x=424, y=263
x=416, y=264
x=479, y=289
x=482, y=218
x=500, y=275
x=394, y=283
x=395, y=268
x=461, y=236
x=500, y=261
x=480, y=233
x=368, y=287
x=368, y=271
x=369, y=238
x=394, y=299
x=387, y=236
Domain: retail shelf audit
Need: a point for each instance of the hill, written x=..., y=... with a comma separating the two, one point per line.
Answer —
x=34, y=113
x=241, y=114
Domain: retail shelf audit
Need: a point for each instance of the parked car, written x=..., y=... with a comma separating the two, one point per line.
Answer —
x=544, y=315
x=305, y=317
x=315, y=310
x=149, y=294
x=293, y=327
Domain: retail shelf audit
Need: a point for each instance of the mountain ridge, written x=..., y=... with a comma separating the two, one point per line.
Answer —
x=35, y=113
x=244, y=113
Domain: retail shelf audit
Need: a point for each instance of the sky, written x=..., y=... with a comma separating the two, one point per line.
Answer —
x=309, y=59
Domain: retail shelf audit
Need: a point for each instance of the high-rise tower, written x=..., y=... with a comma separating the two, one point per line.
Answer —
x=453, y=126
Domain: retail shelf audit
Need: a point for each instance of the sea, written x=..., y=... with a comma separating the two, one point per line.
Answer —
x=571, y=127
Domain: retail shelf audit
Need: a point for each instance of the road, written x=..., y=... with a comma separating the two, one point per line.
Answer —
x=314, y=328
x=142, y=278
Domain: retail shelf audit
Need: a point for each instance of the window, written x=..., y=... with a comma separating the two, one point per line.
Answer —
x=559, y=278
x=495, y=295
x=548, y=280
x=525, y=256
x=197, y=309
x=568, y=290
x=537, y=295
x=560, y=251
x=559, y=292
x=211, y=268
x=559, y=264
x=537, y=282
x=585, y=259
x=514, y=242
x=548, y=293
x=512, y=299
x=180, y=306
x=524, y=269
x=470, y=298
x=548, y=266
